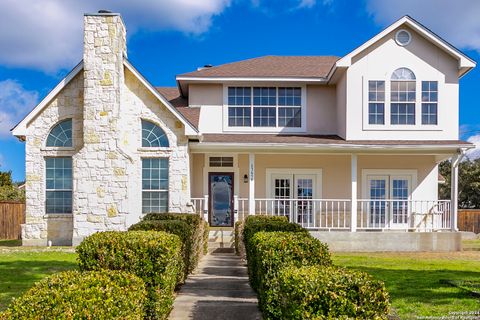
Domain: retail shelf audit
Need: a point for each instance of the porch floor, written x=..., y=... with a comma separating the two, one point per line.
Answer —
x=219, y=289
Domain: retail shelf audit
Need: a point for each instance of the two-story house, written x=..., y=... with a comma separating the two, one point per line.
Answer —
x=334, y=143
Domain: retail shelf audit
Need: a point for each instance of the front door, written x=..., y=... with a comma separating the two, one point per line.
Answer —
x=220, y=190
x=389, y=196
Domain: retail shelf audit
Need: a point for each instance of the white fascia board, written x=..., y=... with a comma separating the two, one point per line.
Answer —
x=20, y=130
x=189, y=129
x=247, y=79
x=285, y=147
x=464, y=61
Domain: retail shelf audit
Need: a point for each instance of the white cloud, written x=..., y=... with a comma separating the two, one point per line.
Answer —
x=15, y=103
x=47, y=34
x=474, y=153
x=456, y=21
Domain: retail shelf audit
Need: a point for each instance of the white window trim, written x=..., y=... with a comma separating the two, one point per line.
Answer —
x=273, y=171
x=412, y=173
x=72, y=148
x=155, y=156
x=234, y=169
x=252, y=129
x=418, y=126
x=403, y=44
x=161, y=126
x=44, y=184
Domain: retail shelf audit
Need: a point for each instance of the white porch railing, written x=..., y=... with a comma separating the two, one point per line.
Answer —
x=422, y=215
x=335, y=214
x=311, y=214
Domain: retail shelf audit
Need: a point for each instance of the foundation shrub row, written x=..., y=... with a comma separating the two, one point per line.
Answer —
x=294, y=276
x=123, y=275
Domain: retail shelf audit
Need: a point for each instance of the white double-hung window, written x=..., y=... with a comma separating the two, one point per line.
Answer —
x=403, y=96
x=264, y=107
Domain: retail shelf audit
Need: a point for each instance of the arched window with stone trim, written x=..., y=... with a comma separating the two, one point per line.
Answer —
x=61, y=135
x=153, y=135
x=403, y=97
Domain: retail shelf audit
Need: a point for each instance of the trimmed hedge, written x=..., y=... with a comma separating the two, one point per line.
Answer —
x=103, y=294
x=156, y=257
x=254, y=224
x=316, y=292
x=294, y=278
x=177, y=227
x=239, y=247
x=206, y=236
x=196, y=233
x=274, y=250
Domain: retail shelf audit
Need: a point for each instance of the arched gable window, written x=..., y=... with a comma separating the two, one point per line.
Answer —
x=403, y=74
x=153, y=135
x=403, y=96
x=61, y=135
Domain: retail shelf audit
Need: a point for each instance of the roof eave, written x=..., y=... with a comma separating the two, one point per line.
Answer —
x=20, y=129
x=332, y=147
x=261, y=79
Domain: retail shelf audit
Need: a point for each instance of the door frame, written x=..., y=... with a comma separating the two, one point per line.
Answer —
x=210, y=198
x=270, y=172
x=410, y=174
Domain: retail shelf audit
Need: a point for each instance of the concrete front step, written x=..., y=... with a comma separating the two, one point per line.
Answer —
x=221, y=238
x=218, y=290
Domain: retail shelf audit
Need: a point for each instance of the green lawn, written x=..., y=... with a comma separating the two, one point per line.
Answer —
x=21, y=267
x=415, y=280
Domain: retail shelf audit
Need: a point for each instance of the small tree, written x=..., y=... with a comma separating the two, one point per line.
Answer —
x=8, y=190
x=468, y=183
x=6, y=178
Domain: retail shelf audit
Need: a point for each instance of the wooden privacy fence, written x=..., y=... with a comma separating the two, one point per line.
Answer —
x=12, y=215
x=469, y=220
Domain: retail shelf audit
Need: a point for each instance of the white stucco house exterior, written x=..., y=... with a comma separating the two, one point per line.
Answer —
x=346, y=146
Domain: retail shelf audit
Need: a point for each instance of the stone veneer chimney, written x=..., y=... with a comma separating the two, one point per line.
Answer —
x=100, y=168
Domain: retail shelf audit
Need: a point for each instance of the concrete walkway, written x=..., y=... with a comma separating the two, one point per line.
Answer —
x=219, y=289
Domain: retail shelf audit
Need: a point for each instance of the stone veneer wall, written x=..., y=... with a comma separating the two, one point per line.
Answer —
x=39, y=228
x=107, y=103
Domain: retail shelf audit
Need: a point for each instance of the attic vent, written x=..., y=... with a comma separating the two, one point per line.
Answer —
x=403, y=37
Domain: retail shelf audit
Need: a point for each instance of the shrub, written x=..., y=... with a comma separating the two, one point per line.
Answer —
x=155, y=257
x=316, y=292
x=206, y=236
x=239, y=246
x=273, y=250
x=254, y=224
x=177, y=227
x=101, y=294
x=196, y=232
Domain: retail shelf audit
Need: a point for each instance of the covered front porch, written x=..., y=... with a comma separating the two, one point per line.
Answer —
x=336, y=214
x=370, y=190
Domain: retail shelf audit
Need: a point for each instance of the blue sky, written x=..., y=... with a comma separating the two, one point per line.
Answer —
x=39, y=45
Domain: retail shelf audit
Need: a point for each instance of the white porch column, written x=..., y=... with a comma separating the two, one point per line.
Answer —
x=251, y=184
x=454, y=193
x=353, y=206
x=205, y=207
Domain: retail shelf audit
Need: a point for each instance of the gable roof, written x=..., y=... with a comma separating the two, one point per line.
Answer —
x=465, y=62
x=313, y=68
x=172, y=94
x=269, y=66
x=20, y=129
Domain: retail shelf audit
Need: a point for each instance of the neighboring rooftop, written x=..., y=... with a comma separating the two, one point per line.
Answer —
x=271, y=66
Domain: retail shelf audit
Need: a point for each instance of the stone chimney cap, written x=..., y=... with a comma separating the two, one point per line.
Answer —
x=103, y=13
